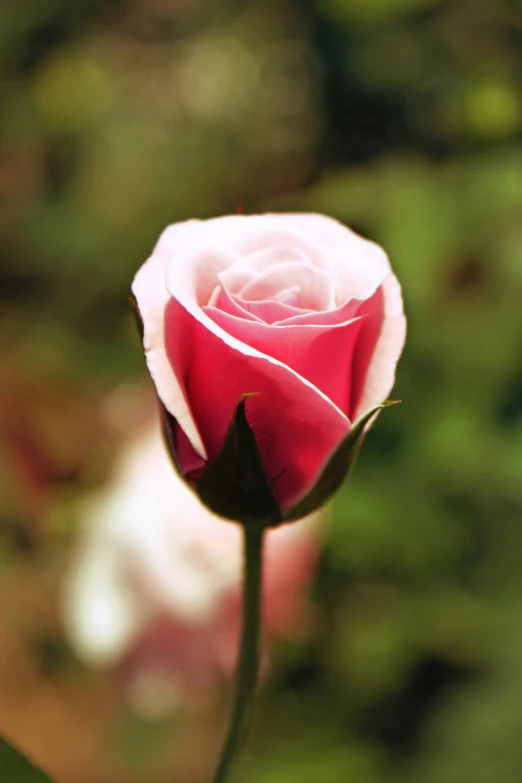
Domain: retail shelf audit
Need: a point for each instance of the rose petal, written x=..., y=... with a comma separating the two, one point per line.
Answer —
x=268, y=312
x=341, y=314
x=357, y=265
x=380, y=375
x=275, y=255
x=316, y=286
x=255, y=233
x=216, y=369
x=372, y=313
x=310, y=350
x=234, y=305
x=209, y=263
x=240, y=234
x=152, y=296
x=189, y=461
x=236, y=277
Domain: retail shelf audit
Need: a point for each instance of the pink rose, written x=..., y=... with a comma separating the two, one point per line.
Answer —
x=154, y=590
x=296, y=308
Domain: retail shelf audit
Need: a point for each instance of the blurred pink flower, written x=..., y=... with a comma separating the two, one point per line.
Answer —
x=154, y=589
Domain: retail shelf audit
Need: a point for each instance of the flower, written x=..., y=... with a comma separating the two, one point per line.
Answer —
x=154, y=589
x=297, y=311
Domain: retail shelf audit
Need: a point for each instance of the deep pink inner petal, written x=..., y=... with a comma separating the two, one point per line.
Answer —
x=189, y=461
x=321, y=354
x=233, y=305
x=347, y=312
x=295, y=427
x=269, y=310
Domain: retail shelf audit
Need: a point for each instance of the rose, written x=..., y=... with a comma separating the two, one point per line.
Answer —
x=154, y=588
x=295, y=308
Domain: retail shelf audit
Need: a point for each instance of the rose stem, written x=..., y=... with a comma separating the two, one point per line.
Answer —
x=248, y=662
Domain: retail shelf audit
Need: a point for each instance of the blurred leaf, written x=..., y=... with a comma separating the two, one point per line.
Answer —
x=15, y=768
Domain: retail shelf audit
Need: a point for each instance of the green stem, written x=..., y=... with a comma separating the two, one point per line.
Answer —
x=247, y=667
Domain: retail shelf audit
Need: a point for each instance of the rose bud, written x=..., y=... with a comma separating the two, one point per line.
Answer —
x=154, y=590
x=272, y=341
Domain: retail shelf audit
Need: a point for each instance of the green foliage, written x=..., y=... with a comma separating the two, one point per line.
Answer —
x=15, y=768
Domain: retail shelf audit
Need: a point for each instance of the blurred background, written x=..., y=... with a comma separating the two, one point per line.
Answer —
x=402, y=118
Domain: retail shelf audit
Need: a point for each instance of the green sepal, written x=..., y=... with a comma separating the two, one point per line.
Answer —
x=337, y=468
x=15, y=768
x=235, y=484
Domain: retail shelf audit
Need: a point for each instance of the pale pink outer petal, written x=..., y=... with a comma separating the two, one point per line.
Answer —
x=246, y=235
x=371, y=314
x=276, y=254
x=380, y=376
x=358, y=265
x=152, y=296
